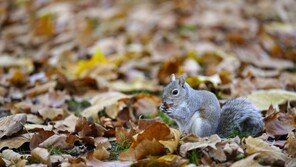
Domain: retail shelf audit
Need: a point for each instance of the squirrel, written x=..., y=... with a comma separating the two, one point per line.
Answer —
x=199, y=112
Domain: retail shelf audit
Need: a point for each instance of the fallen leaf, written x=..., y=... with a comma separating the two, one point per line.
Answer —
x=249, y=161
x=84, y=128
x=99, y=102
x=12, y=124
x=41, y=155
x=256, y=145
x=135, y=85
x=15, y=142
x=39, y=138
x=146, y=105
x=68, y=124
x=141, y=150
x=95, y=162
x=218, y=153
x=17, y=78
x=172, y=144
x=100, y=153
x=290, y=145
x=152, y=141
x=202, y=143
x=36, y=127
x=291, y=162
x=34, y=119
x=278, y=123
x=12, y=156
x=44, y=25
x=40, y=89
x=157, y=130
x=84, y=65
x=10, y=61
x=102, y=142
x=166, y=160
x=51, y=113
x=58, y=141
x=54, y=99
x=170, y=66
x=262, y=99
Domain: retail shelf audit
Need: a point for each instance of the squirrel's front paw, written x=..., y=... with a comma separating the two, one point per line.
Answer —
x=163, y=108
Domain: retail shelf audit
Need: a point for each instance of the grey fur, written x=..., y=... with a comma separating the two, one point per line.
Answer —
x=199, y=112
x=240, y=114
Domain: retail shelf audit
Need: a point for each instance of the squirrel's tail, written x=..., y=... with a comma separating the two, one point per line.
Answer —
x=239, y=116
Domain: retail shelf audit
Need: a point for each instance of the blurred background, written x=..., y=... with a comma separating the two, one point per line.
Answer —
x=135, y=45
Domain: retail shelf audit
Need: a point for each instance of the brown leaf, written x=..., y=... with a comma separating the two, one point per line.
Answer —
x=172, y=144
x=51, y=113
x=85, y=128
x=171, y=66
x=68, y=124
x=17, y=78
x=256, y=145
x=290, y=145
x=58, y=141
x=158, y=131
x=54, y=98
x=102, y=142
x=278, y=123
x=99, y=102
x=39, y=138
x=44, y=25
x=146, y=105
x=152, y=141
x=218, y=153
x=95, y=162
x=100, y=154
x=249, y=161
x=202, y=143
x=12, y=124
x=40, y=89
x=15, y=142
x=41, y=155
x=123, y=136
x=169, y=160
x=141, y=150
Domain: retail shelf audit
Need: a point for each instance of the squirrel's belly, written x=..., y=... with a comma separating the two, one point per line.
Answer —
x=196, y=126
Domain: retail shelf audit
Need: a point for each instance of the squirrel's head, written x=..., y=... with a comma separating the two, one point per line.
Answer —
x=174, y=93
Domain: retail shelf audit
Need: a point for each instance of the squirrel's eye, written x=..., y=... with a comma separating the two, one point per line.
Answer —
x=175, y=92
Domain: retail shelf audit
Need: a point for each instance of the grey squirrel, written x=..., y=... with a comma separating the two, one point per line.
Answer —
x=198, y=111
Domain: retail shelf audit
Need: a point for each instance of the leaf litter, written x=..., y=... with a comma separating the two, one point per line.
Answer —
x=81, y=82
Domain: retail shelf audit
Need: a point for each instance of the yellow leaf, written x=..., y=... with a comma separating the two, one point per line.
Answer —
x=84, y=65
x=172, y=144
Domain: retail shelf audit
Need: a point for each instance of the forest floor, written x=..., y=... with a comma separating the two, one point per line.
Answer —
x=81, y=81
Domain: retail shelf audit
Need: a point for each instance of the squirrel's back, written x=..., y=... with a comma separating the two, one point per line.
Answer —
x=239, y=116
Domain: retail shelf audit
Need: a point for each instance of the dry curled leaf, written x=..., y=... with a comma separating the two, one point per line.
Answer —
x=12, y=124
x=256, y=145
x=278, y=123
x=290, y=145
x=152, y=141
x=15, y=142
x=201, y=143
x=99, y=102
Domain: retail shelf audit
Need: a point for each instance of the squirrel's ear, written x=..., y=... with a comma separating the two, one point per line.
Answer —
x=173, y=77
x=182, y=81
